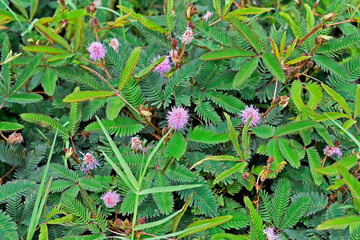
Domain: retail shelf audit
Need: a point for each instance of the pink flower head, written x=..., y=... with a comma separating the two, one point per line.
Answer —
x=136, y=143
x=164, y=66
x=250, y=112
x=330, y=151
x=15, y=138
x=110, y=199
x=178, y=117
x=114, y=43
x=187, y=37
x=97, y=3
x=97, y=51
x=270, y=234
x=207, y=16
x=89, y=162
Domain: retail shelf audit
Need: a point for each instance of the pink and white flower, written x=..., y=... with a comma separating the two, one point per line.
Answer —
x=174, y=54
x=207, y=16
x=15, y=138
x=178, y=117
x=111, y=199
x=89, y=162
x=136, y=143
x=114, y=43
x=249, y=112
x=97, y=51
x=332, y=151
x=270, y=234
x=187, y=37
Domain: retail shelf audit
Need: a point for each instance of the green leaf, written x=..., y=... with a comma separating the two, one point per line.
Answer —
x=176, y=146
x=273, y=64
x=280, y=200
x=273, y=150
x=178, y=217
x=248, y=11
x=26, y=73
x=113, y=107
x=323, y=132
x=340, y=223
x=289, y=152
x=338, y=98
x=233, y=136
x=48, y=81
x=264, y=131
x=9, y=126
x=202, y=135
x=13, y=189
x=237, y=168
x=129, y=67
x=351, y=182
x=87, y=95
x=8, y=229
x=217, y=158
x=24, y=98
x=19, y=5
x=205, y=224
x=122, y=161
x=331, y=66
x=122, y=126
x=256, y=224
x=217, y=6
x=347, y=162
x=247, y=34
x=163, y=199
x=170, y=15
x=45, y=121
x=357, y=102
x=207, y=112
x=227, y=6
x=310, y=19
x=45, y=49
x=295, y=127
x=245, y=72
x=90, y=184
x=168, y=189
x=293, y=25
x=155, y=223
x=50, y=33
x=314, y=163
x=33, y=7
x=226, y=53
x=294, y=212
x=144, y=72
x=297, y=60
x=75, y=115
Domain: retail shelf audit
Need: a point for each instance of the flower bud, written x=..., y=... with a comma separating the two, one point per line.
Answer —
x=284, y=101
x=174, y=43
x=141, y=220
x=191, y=25
x=270, y=160
x=95, y=23
x=310, y=64
x=245, y=176
x=328, y=17
x=265, y=174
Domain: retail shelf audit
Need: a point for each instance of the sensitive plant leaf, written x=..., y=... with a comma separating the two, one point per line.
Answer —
x=168, y=189
x=163, y=199
x=340, y=223
x=280, y=200
x=33, y=7
x=224, y=158
x=245, y=72
x=8, y=228
x=338, y=98
x=273, y=64
x=351, y=182
x=9, y=126
x=294, y=212
x=113, y=107
x=45, y=121
x=87, y=95
x=26, y=73
x=289, y=152
x=331, y=66
x=256, y=223
x=48, y=32
x=226, y=53
x=347, y=161
x=314, y=163
x=202, y=135
x=357, y=102
x=310, y=19
x=203, y=225
x=48, y=81
x=248, y=11
x=217, y=6
x=24, y=98
x=227, y=6
x=129, y=67
x=237, y=168
x=233, y=136
x=176, y=146
x=120, y=126
x=297, y=60
x=45, y=49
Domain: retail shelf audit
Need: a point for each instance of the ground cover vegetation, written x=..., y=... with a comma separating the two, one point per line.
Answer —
x=138, y=119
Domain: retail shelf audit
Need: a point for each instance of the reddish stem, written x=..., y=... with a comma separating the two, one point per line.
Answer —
x=1, y=179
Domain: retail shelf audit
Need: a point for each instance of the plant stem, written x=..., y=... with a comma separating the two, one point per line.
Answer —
x=12, y=169
x=2, y=104
x=135, y=212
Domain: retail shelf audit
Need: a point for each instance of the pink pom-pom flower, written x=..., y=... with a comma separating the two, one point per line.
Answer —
x=249, y=112
x=114, y=43
x=136, y=143
x=178, y=117
x=331, y=151
x=164, y=66
x=207, y=16
x=110, y=199
x=15, y=138
x=187, y=36
x=270, y=234
x=97, y=51
x=89, y=162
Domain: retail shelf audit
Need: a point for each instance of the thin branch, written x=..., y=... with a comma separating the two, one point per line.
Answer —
x=1, y=179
